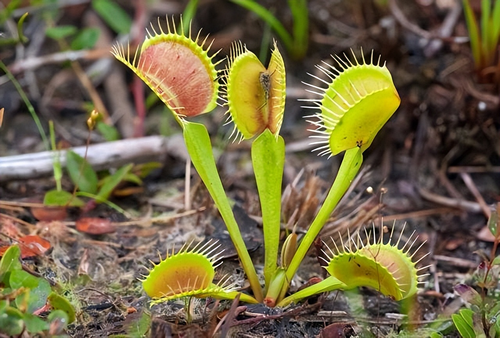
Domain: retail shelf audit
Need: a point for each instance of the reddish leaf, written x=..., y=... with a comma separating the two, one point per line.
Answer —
x=95, y=226
x=31, y=246
x=337, y=330
x=48, y=214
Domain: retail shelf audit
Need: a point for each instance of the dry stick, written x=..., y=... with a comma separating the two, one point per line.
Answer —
x=15, y=219
x=460, y=262
x=138, y=84
x=419, y=214
x=473, y=170
x=445, y=30
x=100, y=156
x=403, y=21
x=453, y=153
x=433, y=266
x=227, y=321
x=450, y=202
x=57, y=58
x=443, y=34
x=473, y=189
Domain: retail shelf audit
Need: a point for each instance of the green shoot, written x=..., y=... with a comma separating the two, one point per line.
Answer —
x=28, y=104
x=484, y=36
x=188, y=15
x=295, y=44
x=57, y=161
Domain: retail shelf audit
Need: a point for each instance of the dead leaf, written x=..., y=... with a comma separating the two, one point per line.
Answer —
x=48, y=214
x=31, y=246
x=95, y=226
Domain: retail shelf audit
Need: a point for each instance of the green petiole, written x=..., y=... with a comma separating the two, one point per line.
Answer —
x=200, y=149
x=349, y=167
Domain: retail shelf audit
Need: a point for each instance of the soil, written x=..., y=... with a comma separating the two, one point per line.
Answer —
x=434, y=168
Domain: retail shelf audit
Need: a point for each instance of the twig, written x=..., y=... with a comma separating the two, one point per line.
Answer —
x=227, y=321
x=473, y=189
x=403, y=21
x=445, y=30
x=419, y=214
x=473, y=170
x=460, y=262
x=56, y=58
x=443, y=33
x=450, y=202
x=100, y=156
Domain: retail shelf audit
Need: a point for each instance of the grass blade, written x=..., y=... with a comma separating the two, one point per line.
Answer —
x=270, y=19
x=300, y=15
x=475, y=40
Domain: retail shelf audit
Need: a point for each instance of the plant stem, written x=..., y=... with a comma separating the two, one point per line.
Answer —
x=200, y=149
x=329, y=284
x=57, y=160
x=349, y=167
x=268, y=159
x=28, y=104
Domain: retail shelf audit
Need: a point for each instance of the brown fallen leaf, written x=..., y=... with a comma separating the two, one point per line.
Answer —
x=31, y=246
x=95, y=226
x=48, y=214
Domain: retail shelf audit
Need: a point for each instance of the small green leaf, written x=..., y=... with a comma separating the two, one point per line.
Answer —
x=61, y=198
x=38, y=296
x=112, y=181
x=496, y=261
x=139, y=328
x=145, y=169
x=8, y=9
x=81, y=172
x=10, y=260
x=11, y=321
x=60, y=303
x=113, y=15
x=110, y=133
x=493, y=223
x=59, y=320
x=35, y=324
x=60, y=32
x=464, y=323
x=39, y=289
x=85, y=39
x=132, y=178
x=20, y=278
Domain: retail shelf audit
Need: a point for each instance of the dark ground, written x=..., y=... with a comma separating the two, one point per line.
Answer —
x=441, y=148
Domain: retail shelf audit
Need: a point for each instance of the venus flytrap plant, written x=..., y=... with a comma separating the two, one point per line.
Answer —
x=358, y=100
x=179, y=70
